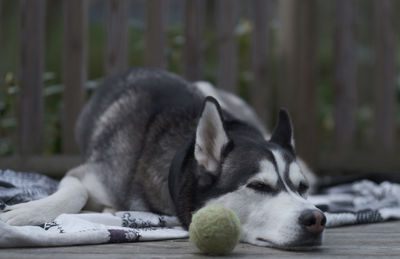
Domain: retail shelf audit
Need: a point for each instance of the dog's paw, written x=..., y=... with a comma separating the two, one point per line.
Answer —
x=29, y=213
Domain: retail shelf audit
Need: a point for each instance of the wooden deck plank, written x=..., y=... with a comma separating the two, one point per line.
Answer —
x=55, y=166
x=355, y=241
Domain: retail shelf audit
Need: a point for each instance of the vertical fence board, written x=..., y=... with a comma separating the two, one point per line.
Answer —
x=259, y=90
x=155, y=33
x=286, y=39
x=345, y=74
x=1, y=40
x=117, y=36
x=193, y=48
x=385, y=74
x=227, y=56
x=32, y=59
x=74, y=70
x=298, y=44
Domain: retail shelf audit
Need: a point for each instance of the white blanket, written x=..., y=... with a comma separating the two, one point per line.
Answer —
x=93, y=228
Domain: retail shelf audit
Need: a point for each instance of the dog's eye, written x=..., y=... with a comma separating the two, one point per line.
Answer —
x=303, y=187
x=261, y=187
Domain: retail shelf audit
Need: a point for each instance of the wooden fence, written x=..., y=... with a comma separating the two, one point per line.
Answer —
x=297, y=70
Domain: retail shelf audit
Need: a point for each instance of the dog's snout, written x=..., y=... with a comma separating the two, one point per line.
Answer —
x=313, y=220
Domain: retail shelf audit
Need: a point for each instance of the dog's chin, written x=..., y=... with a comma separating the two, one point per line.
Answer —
x=297, y=245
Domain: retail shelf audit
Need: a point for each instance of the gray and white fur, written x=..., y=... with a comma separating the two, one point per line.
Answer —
x=155, y=142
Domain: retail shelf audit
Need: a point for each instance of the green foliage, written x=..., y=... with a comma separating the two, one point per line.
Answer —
x=53, y=88
x=8, y=116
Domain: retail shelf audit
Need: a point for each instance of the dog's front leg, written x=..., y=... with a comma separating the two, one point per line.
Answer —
x=70, y=197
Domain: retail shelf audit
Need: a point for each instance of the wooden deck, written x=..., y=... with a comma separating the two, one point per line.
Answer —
x=374, y=240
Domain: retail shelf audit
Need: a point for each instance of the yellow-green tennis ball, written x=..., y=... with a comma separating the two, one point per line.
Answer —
x=215, y=230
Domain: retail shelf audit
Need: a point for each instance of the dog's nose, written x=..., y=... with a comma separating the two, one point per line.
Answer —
x=313, y=220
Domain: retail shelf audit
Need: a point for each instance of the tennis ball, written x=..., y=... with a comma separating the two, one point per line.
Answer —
x=215, y=230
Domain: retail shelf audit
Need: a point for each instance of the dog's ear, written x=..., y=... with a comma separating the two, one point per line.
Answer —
x=283, y=132
x=211, y=137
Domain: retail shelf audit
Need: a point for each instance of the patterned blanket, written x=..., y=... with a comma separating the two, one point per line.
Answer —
x=357, y=203
x=360, y=202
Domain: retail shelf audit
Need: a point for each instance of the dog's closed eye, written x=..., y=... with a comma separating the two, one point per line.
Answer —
x=303, y=188
x=261, y=187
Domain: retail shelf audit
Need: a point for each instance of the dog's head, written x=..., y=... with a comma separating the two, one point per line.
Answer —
x=229, y=163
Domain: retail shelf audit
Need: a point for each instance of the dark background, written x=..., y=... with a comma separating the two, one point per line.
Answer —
x=333, y=64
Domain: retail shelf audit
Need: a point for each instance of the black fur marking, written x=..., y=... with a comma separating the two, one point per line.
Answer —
x=204, y=178
x=263, y=188
x=303, y=188
x=289, y=159
x=283, y=132
x=215, y=102
x=182, y=183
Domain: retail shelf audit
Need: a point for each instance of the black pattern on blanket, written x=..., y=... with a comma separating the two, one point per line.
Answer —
x=356, y=203
x=77, y=229
x=360, y=202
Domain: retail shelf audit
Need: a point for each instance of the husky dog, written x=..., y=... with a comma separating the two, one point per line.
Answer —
x=155, y=142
